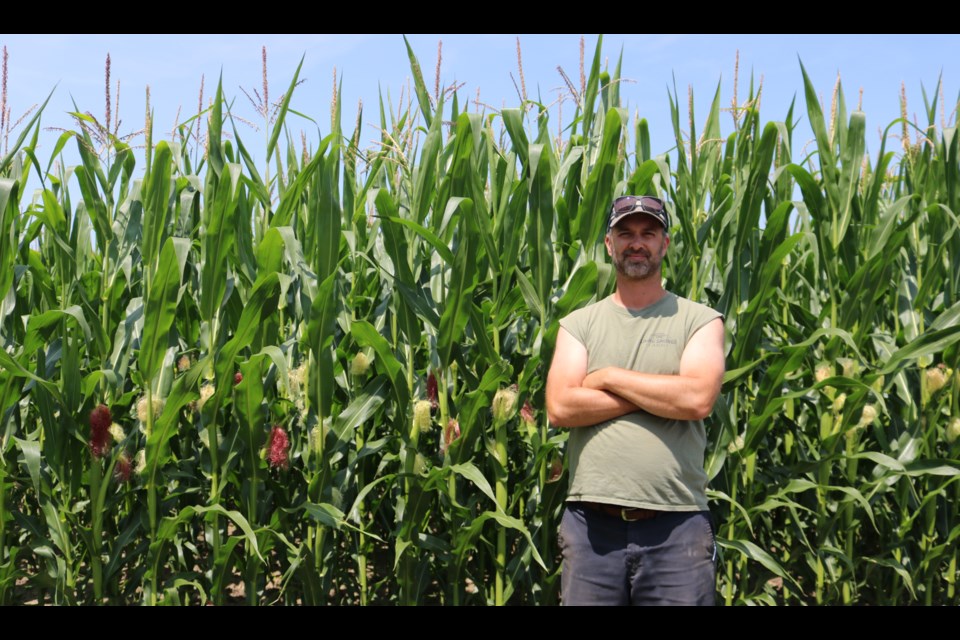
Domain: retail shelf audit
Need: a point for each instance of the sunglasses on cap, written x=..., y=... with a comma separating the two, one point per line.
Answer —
x=627, y=205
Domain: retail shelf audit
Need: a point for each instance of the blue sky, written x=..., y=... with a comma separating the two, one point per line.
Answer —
x=172, y=65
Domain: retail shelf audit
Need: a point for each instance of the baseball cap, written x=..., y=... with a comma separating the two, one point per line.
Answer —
x=628, y=205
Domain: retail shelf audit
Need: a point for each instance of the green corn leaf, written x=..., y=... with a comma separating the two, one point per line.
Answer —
x=755, y=316
x=530, y=294
x=215, y=154
x=7, y=160
x=421, y=89
x=581, y=288
x=541, y=221
x=462, y=281
x=184, y=391
x=469, y=471
x=262, y=304
x=156, y=203
x=599, y=190
x=510, y=240
x=425, y=189
x=161, y=310
x=438, y=245
x=397, y=247
x=513, y=121
x=292, y=197
x=898, y=568
x=361, y=409
x=39, y=326
x=16, y=369
x=218, y=240
x=591, y=91
x=930, y=342
x=329, y=516
x=282, y=111
x=367, y=336
x=851, y=157
x=320, y=336
x=250, y=411
x=755, y=553
x=31, y=456
x=8, y=227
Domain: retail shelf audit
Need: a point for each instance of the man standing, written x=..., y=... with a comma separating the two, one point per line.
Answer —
x=633, y=376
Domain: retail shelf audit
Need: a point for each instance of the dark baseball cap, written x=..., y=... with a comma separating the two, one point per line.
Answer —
x=628, y=205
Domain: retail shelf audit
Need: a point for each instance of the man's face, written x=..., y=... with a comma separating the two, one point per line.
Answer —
x=637, y=245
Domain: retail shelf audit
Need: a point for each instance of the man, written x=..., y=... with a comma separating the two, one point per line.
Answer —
x=633, y=376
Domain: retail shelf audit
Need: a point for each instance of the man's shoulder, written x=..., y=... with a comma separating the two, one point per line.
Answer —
x=693, y=316
x=581, y=323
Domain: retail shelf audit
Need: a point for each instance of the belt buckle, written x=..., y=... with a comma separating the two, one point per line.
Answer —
x=625, y=518
x=641, y=514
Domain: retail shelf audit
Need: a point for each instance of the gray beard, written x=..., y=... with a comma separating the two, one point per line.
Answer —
x=638, y=270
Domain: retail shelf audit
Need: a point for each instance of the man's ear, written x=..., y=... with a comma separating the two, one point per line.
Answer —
x=608, y=242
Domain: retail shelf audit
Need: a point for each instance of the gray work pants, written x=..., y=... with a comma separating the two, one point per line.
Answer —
x=669, y=559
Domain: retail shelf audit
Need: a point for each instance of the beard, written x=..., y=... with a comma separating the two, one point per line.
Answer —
x=638, y=270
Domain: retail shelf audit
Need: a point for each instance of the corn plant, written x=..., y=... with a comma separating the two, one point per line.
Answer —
x=318, y=377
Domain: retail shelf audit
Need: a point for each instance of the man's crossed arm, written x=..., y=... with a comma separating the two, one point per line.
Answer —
x=577, y=399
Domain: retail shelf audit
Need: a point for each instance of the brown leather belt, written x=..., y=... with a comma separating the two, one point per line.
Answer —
x=627, y=514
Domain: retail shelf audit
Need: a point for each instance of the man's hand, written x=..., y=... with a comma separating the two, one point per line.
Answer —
x=690, y=395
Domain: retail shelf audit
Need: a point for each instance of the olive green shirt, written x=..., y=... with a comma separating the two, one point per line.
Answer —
x=639, y=460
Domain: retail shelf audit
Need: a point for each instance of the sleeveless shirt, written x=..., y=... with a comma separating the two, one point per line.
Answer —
x=639, y=459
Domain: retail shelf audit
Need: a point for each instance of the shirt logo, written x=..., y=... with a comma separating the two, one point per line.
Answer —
x=658, y=340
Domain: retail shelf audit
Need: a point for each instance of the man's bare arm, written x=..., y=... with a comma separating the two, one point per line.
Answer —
x=690, y=395
x=569, y=403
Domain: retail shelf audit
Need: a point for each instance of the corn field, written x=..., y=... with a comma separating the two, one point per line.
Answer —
x=319, y=378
